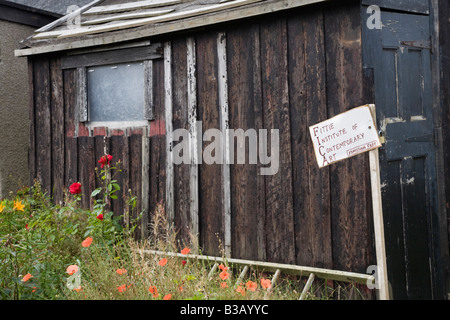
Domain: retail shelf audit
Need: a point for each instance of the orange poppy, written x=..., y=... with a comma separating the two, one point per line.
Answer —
x=167, y=297
x=251, y=285
x=224, y=275
x=222, y=267
x=153, y=291
x=122, y=288
x=87, y=242
x=223, y=285
x=162, y=262
x=26, y=277
x=72, y=269
x=185, y=251
x=241, y=289
x=265, y=283
x=121, y=271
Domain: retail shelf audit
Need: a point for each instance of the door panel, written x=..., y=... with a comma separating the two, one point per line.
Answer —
x=400, y=55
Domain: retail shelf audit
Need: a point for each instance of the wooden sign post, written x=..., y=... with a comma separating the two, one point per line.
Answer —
x=346, y=135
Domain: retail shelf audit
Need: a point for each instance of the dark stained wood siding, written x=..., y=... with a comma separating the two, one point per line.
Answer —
x=349, y=180
x=287, y=73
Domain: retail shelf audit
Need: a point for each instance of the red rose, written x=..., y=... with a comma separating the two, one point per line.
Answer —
x=105, y=160
x=100, y=217
x=75, y=188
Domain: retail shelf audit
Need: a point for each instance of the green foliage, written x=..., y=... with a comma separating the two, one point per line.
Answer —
x=41, y=242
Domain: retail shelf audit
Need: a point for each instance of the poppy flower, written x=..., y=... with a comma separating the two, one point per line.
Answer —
x=222, y=267
x=123, y=287
x=121, y=271
x=77, y=289
x=153, y=291
x=26, y=277
x=224, y=285
x=251, y=285
x=72, y=269
x=241, y=289
x=87, y=242
x=26, y=226
x=265, y=283
x=18, y=205
x=100, y=217
x=185, y=251
x=75, y=188
x=105, y=160
x=1, y=207
x=167, y=296
x=162, y=262
x=224, y=275
x=183, y=262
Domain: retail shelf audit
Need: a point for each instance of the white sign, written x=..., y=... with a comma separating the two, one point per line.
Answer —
x=344, y=136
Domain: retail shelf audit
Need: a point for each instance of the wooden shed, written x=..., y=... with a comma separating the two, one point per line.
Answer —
x=120, y=77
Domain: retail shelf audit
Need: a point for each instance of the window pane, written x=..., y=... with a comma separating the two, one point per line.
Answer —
x=116, y=92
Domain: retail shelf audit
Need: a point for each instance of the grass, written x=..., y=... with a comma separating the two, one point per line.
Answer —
x=40, y=243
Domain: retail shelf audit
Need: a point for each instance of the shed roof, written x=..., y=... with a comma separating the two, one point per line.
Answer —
x=58, y=7
x=103, y=22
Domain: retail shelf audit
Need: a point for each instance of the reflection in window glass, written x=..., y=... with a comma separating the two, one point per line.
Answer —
x=116, y=92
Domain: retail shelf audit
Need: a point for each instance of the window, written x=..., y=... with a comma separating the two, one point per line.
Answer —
x=114, y=86
x=116, y=92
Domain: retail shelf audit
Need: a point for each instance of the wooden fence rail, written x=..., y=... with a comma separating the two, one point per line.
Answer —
x=277, y=268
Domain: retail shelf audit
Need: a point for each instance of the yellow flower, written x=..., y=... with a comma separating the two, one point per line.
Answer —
x=18, y=205
x=1, y=207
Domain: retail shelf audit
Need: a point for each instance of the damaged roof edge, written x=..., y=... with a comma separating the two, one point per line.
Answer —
x=251, y=10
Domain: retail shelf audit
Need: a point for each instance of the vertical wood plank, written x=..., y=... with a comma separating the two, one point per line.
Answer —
x=145, y=196
x=86, y=165
x=157, y=183
x=279, y=203
x=148, y=91
x=224, y=126
x=169, y=129
x=82, y=98
x=70, y=143
x=193, y=147
x=210, y=175
x=58, y=130
x=43, y=124
x=32, y=118
x=119, y=150
x=307, y=90
x=101, y=147
x=350, y=181
x=180, y=121
x=245, y=112
x=135, y=177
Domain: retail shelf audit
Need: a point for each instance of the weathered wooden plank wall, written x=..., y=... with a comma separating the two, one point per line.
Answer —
x=287, y=72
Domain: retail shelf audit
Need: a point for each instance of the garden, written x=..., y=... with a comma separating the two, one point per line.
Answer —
x=65, y=252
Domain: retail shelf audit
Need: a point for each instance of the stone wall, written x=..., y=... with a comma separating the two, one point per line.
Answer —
x=14, y=119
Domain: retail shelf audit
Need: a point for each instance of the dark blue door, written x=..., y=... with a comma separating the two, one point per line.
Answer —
x=399, y=53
